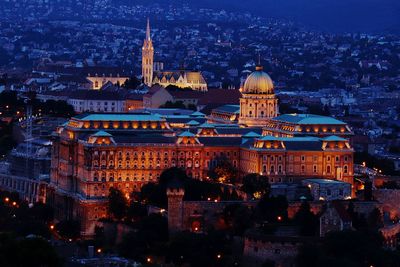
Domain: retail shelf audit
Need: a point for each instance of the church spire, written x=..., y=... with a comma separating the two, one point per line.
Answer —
x=148, y=57
x=148, y=37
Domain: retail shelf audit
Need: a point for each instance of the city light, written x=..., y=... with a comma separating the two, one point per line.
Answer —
x=279, y=218
x=52, y=227
x=148, y=259
x=6, y=199
x=219, y=256
x=99, y=250
x=14, y=203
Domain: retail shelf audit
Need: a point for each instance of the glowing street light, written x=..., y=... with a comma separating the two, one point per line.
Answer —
x=99, y=250
x=52, y=227
x=148, y=259
x=6, y=199
x=219, y=256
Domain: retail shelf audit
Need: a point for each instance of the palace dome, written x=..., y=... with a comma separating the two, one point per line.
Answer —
x=258, y=82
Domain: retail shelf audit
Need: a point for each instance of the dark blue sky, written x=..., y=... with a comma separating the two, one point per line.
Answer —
x=329, y=15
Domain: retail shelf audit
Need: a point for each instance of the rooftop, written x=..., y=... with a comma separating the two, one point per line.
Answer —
x=119, y=117
x=308, y=119
x=323, y=181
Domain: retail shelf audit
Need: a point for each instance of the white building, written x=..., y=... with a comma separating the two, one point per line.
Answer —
x=324, y=189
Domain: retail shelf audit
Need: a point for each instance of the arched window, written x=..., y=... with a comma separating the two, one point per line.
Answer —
x=328, y=169
x=95, y=177
x=345, y=169
x=272, y=169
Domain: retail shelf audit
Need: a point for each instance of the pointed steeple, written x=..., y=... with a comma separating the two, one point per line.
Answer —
x=148, y=37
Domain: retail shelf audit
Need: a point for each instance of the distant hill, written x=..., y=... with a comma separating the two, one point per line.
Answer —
x=327, y=15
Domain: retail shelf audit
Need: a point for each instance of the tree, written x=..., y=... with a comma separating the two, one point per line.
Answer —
x=272, y=209
x=69, y=229
x=151, y=232
x=117, y=204
x=307, y=221
x=348, y=248
x=238, y=218
x=132, y=83
x=256, y=185
x=223, y=172
x=199, y=250
x=34, y=252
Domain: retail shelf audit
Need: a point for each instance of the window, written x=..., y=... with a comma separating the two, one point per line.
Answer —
x=315, y=168
x=303, y=158
x=328, y=158
x=337, y=158
x=328, y=169
x=345, y=169
x=272, y=168
x=303, y=168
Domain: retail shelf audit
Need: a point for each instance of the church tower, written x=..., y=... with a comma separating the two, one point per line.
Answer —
x=147, y=57
x=258, y=103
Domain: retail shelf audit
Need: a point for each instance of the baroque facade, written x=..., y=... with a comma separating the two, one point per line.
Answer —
x=94, y=152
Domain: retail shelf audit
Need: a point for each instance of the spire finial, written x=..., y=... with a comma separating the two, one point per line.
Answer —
x=148, y=37
x=259, y=67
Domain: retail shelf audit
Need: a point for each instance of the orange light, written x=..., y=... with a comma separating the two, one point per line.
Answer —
x=148, y=259
x=6, y=199
x=196, y=229
x=279, y=218
x=99, y=250
x=14, y=203
x=219, y=256
x=52, y=227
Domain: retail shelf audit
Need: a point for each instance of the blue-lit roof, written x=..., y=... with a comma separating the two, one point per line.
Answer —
x=119, y=117
x=197, y=114
x=324, y=181
x=334, y=138
x=290, y=139
x=186, y=134
x=228, y=108
x=101, y=134
x=251, y=134
x=308, y=119
x=193, y=122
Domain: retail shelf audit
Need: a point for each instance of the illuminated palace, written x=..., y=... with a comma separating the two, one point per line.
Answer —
x=93, y=152
x=180, y=78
